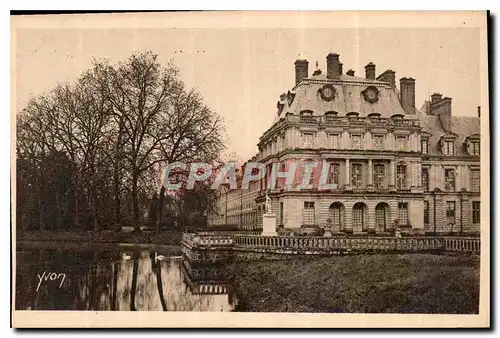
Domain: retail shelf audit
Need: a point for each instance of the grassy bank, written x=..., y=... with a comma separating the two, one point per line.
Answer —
x=414, y=283
x=145, y=237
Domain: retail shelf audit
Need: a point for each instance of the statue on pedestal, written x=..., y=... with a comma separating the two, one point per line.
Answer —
x=268, y=204
x=269, y=220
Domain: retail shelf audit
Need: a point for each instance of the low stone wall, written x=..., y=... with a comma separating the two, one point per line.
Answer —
x=209, y=247
x=336, y=245
x=246, y=247
x=462, y=244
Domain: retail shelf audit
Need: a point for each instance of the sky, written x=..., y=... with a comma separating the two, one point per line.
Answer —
x=241, y=72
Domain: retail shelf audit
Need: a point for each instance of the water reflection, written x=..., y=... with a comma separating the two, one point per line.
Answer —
x=118, y=280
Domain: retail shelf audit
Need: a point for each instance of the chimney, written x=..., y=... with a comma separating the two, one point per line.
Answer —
x=478, y=111
x=388, y=76
x=370, y=71
x=340, y=68
x=442, y=108
x=301, y=70
x=407, y=95
x=436, y=97
x=333, y=68
x=350, y=72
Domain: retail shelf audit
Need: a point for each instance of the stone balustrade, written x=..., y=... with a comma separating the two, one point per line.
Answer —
x=316, y=244
x=462, y=244
x=207, y=239
x=364, y=121
x=341, y=121
x=209, y=247
x=322, y=244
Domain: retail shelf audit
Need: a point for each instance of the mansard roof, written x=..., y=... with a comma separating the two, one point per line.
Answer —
x=306, y=95
x=462, y=126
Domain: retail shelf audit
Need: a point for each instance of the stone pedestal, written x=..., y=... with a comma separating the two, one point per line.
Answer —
x=327, y=233
x=269, y=225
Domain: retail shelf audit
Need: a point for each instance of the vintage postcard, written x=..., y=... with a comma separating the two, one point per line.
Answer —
x=251, y=169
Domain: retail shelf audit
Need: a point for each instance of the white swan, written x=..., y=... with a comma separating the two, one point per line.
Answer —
x=159, y=257
x=126, y=257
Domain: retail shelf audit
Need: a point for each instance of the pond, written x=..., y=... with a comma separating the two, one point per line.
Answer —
x=120, y=278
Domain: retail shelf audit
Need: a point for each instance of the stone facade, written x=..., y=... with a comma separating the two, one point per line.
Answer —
x=394, y=165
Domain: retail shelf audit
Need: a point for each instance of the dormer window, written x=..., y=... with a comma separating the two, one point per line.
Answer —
x=330, y=116
x=475, y=148
x=374, y=115
x=424, y=146
x=397, y=117
x=449, y=148
x=352, y=114
x=472, y=144
x=447, y=144
x=306, y=113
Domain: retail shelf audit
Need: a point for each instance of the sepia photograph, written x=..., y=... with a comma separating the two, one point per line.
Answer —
x=244, y=169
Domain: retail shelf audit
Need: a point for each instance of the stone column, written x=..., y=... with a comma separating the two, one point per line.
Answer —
x=370, y=173
x=392, y=175
x=347, y=178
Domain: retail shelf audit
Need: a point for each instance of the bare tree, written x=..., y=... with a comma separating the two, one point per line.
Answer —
x=162, y=123
x=111, y=130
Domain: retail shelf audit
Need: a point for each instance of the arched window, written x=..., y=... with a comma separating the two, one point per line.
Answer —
x=336, y=216
x=381, y=216
x=359, y=216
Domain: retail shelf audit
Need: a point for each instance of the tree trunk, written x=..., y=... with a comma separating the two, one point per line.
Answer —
x=161, y=203
x=134, y=281
x=114, y=265
x=94, y=212
x=135, y=203
x=116, y=185
x=159, y=283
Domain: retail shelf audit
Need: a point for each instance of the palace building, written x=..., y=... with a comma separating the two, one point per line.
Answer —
x=394, y=165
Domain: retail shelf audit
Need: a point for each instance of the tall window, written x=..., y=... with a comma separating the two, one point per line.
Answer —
x=426, y=212
x=381, y=217
x=449, y=179
x=401, y=177
x=449, y=147
x=308, y=215
x=336, y=215
x=307, y=140
x=475, y=180
x=402, y=143
x=357, y=175
x=476, y=212
x=379, y=175
x=403, y=213
x=356, y=141
x=334, y=173
x=334, y=141
x=378, y=140
x=475, y=148
x=450, y=212
x=425, y=179
x=424, y=146
x=358, y=218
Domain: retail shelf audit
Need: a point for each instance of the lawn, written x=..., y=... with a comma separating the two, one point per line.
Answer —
x=411, y=283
